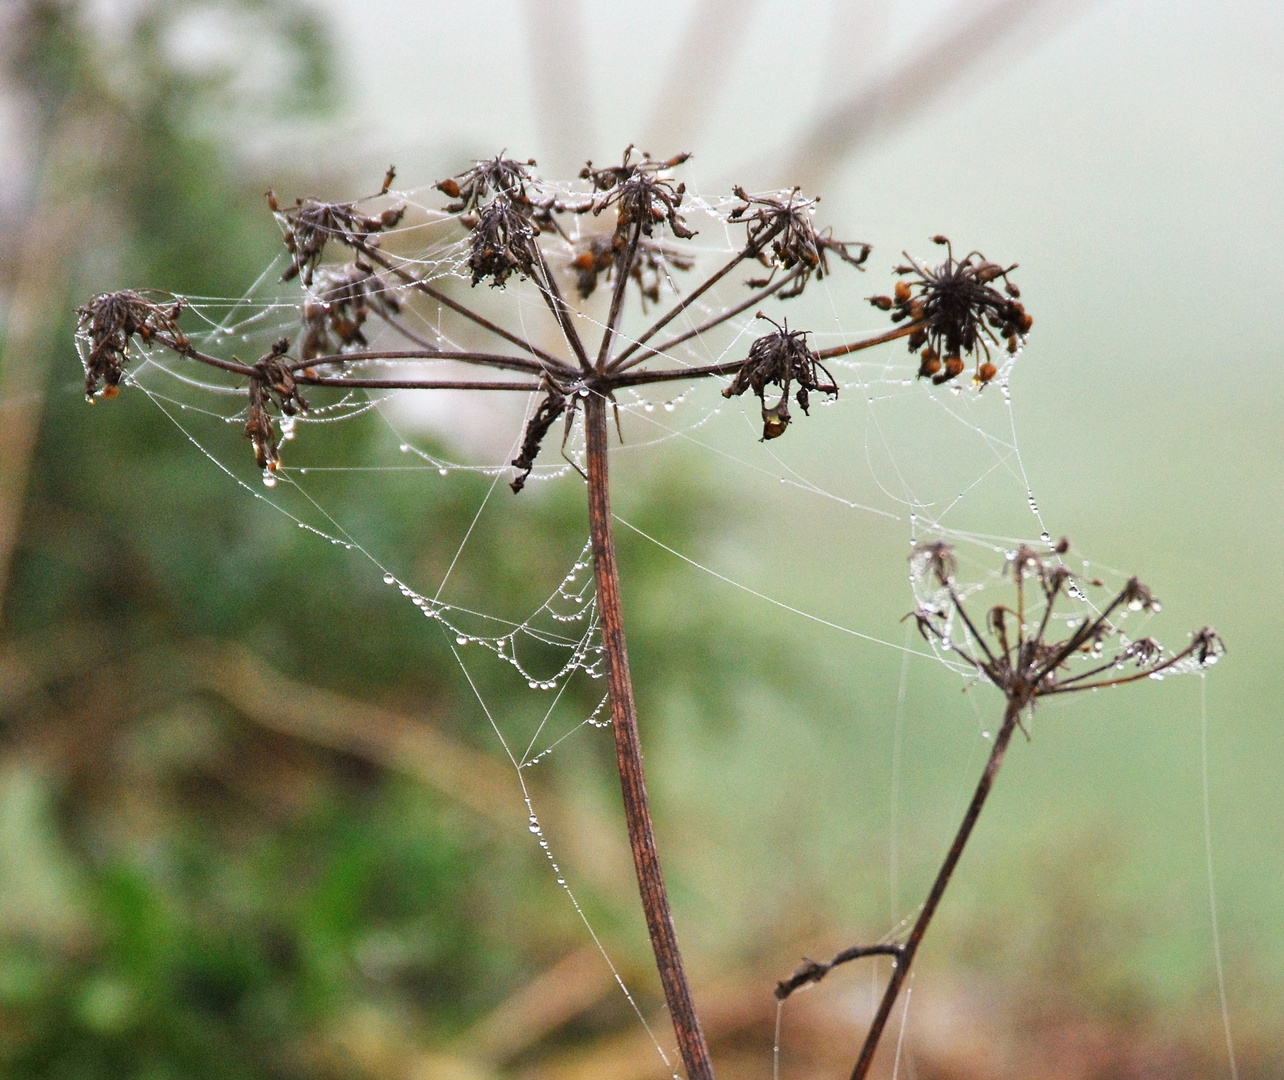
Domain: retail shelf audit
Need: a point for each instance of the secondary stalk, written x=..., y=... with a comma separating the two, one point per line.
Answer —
x=628, y=753
x=906, y=957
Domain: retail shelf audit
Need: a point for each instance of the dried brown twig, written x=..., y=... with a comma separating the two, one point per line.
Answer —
x=1011, y=648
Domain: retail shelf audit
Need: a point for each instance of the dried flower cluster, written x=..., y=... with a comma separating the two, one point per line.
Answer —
x=545, y=415
x=956, y=310
x=595, y=255
x=272, y=383
x=787, y=223
x=310, y=223
x=641, y=194
x=337, y=306
x=503, y=241
x=110, y=320
x=1012, y=649
x=498, y=175
x=781, y=359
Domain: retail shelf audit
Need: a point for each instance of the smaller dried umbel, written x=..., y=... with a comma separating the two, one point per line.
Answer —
x=958, y=312
x=271, y=384
x=781, y=359
x=642, y=195
x=337, y=306
x=1013, y=647
x=784, y=220
x=310, y=223
x=110, y=320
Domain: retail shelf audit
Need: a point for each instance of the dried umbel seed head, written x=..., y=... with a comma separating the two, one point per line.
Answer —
x=310, y=223
x=503, y=241
x=957, y=311
x=642, y=196
x=781, y=359
x=337, y=306
x=497, y=176
x=786, y=219
x=1012, y=647
x=652, y=263
x=272, y=383
x=110, y=321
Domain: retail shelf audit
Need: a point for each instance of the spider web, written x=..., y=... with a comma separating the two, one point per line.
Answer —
x=941, y=488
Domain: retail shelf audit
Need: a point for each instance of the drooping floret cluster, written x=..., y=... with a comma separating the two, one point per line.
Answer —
x=781, y=359
x=273, y=383
x=110, y=320
x=957, y=311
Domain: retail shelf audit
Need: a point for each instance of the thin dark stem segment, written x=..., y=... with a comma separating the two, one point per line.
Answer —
x=374, y=255
x=749, y=252
x=628, y=752
x=1011, y=716
x=547, y=286
x=622, y=272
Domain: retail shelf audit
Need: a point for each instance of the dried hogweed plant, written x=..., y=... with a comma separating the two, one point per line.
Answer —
x=625, y=225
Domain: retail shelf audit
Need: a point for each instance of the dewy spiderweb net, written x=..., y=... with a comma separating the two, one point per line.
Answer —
x=334, y=303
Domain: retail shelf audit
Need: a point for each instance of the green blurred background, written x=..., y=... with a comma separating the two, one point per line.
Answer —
x=252, y=822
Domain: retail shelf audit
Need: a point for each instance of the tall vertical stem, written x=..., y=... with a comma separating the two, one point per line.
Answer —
x=902, y=963
x=628, y=753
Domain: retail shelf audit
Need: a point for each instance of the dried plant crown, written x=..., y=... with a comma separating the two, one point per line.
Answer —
x=1015, y=648
x=518, y=228
x=956, y=311
x=495, y=176
x=642, y=194
x=110, y=321
x=272, y=383
x=781, y=359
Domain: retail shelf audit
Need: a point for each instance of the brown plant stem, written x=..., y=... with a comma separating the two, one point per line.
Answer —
x=628, y=752
x=900, y=970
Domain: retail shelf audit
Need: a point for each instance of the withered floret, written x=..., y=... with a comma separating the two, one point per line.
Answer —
x=595, y=255
x=338, y=305
x=110, y=320
x=271, y=384
x=498, y=175
x=786, y=219
x=553, y=405
x=781, y=359
x=503, y=241
x=957, y=311
x=641, y=195
x=310, y=223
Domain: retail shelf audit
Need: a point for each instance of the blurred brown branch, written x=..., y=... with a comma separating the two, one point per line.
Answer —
x=410, y=746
